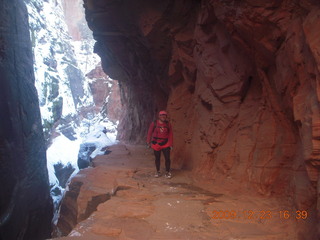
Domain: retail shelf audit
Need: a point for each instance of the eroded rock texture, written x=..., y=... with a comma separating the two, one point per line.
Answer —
x=240, y=80
x=105, y=93
x=25, y=203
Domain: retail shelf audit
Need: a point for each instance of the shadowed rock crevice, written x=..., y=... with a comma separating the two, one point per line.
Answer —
x=68, y=212
x=97, y=200
x=93, y=204
x=80, y=201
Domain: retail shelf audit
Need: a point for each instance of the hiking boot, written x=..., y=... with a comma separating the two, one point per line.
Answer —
x=158, y=174
x=168, y=175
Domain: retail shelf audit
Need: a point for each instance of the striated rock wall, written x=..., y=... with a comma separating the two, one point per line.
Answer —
x=105, y=93
x=240, y=80
x=25, y=202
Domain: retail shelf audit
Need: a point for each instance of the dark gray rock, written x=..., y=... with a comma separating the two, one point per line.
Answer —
x=76, y=82
x=25, y=202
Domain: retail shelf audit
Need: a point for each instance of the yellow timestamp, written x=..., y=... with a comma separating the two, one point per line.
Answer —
x=258, y=214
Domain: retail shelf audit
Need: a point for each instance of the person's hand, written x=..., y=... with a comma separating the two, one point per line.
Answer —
x=148, y=145
x=171, y=147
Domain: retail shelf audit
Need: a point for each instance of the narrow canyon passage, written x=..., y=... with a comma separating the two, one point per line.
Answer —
x=240, y=82
x=132, y=204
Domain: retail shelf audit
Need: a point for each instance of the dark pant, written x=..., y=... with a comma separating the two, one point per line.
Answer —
x=166, y=153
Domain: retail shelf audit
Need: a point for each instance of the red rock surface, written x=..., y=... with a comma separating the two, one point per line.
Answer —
x=138, y=206
x=240, y=80
x=105, y=93
x=99, y=85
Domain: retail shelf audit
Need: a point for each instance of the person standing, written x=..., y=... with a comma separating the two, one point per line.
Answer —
x=160, y=138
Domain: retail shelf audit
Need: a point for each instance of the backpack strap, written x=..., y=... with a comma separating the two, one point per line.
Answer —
x=155, y=125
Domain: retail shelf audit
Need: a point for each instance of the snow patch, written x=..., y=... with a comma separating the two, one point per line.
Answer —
x=62, y=150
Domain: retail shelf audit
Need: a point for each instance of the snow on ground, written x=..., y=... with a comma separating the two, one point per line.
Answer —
x=101, y=133
x=100, y=140
x=65, y=151
x=62, y=151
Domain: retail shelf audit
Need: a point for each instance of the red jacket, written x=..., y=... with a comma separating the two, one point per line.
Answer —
x=159, y=134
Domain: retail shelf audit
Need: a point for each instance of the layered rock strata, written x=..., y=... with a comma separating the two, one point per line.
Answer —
x=240, y=80
x=25, y=202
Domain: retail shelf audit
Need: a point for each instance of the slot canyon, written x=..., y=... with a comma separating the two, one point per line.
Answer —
x=240, y=82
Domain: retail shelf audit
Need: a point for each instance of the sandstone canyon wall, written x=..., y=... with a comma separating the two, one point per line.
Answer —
x=240, y=80
x=25, y=202
x=104, y=90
